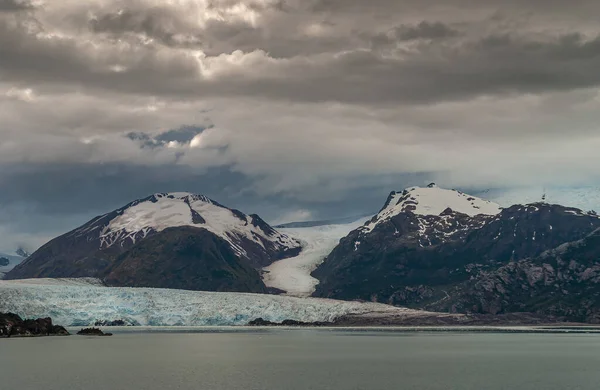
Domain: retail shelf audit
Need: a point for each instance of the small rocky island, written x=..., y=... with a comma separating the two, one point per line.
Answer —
x=93, y=332
x=12, y=325
x=263, y=322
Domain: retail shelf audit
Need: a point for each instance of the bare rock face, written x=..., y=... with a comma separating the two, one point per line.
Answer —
x=11, y=325
x=456, y=262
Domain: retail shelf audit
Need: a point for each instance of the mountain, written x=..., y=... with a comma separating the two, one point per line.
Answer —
x=22, y=253
x=161, y=231
x=202, y=261
x=425, y=242
x=8, y=262
x=562, y=282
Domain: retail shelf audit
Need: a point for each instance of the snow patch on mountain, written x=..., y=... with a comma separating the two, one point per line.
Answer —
x=293, y=275
x=167, y=210
x=431, y=200
x=72, y=304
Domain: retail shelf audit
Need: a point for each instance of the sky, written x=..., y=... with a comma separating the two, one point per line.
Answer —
x=292, y=109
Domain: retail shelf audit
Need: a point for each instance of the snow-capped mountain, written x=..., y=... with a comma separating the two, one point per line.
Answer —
x=22, y=252
x=140, y=219
x=166, y=228
x=426, y=240
x=8, y=262
x=431, y=200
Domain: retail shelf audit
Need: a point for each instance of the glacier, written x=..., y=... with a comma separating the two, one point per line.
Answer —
x=82, y=302
x=293, y=275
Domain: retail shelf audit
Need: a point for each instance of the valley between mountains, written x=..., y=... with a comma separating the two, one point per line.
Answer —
x=429, y=256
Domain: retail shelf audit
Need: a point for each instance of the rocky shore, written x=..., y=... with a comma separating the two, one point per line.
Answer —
x=263, y=322
x=92, y=332
x=11, y=325
x=386, y=319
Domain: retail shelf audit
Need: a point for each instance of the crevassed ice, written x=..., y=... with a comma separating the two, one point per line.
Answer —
x=72, y=304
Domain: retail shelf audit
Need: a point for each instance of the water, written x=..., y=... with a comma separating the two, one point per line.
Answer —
x=302, y=359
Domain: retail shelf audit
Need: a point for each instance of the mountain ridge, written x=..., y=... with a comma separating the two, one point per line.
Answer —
x=92, y=249
x=414, y=259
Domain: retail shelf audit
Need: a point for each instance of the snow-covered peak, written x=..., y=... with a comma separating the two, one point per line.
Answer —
x=166, y=210
x=431, y=200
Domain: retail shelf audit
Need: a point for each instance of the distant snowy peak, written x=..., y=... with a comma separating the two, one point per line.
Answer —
x=22, y=252
x=431, y=200
x=141, y=218
x=9, y=261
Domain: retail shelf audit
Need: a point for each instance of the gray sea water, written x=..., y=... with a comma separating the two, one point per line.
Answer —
x=302, y=359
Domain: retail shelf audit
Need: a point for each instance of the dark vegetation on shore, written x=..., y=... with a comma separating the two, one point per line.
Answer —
x=12, y=325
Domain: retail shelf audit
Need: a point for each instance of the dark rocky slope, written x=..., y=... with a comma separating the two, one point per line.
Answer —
x=185, y=258
x=563, y=282
x=423, y=261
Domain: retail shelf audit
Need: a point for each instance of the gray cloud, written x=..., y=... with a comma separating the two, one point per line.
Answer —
x=425, y=30
x=183, y=135
x=158, y=23
x=489, y=65
x=41, y=203
x=15, y=5
x=319, y=107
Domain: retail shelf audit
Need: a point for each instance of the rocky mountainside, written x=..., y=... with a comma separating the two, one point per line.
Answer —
x=109, y=246
x=202, y=260
x=426, y=242
x=562, y=282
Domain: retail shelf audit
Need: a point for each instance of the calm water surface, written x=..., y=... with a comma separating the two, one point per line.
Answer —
x=302, y=359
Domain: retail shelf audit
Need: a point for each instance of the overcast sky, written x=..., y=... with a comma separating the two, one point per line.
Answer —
x=294, y=109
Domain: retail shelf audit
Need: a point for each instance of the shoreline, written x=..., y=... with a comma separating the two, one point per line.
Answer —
x=516, y=329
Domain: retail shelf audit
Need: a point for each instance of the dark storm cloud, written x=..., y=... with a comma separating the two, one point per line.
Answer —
x=425, y=30
x=15, y=5
x=182, y=135
x=159, y=23
x=490, y=65
x=51, y=200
